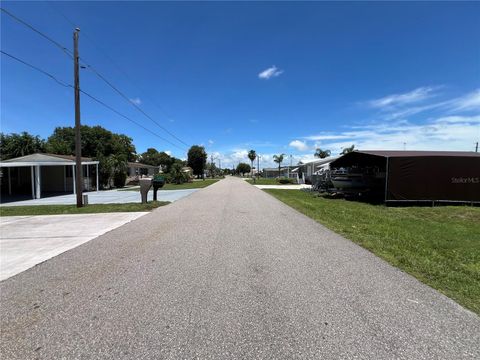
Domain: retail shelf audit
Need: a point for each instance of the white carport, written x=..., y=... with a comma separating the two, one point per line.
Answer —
x=50, y=172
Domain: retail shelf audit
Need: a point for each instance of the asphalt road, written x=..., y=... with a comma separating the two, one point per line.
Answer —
x=227, y=273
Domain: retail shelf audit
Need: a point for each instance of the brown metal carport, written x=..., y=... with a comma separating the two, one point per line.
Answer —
x=449, y=176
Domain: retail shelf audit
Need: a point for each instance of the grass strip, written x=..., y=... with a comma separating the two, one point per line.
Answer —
x=72, y=209
x=440, y=246
x=193, y=185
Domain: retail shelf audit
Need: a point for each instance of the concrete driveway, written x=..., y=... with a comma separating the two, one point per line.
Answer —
x=285, y=187
x=106, y=197
x=26, y=241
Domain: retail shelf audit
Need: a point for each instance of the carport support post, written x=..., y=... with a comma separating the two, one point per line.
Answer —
x=386, y=180
x=97, y=176
x=88, y=178
x=74, y=181
x=32, y=172
x=37, y=181
x=10, y=182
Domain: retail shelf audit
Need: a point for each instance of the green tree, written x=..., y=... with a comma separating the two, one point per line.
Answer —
x=156, y=158
x=105, y=171
x=98, y=143
x=150, y=157
x=15, y=145
x=252, y=155
x=348, y=150
x=166, y=161
x=122, y=144
x=243, y=168
x=278, y=159
x=322, y=154
x=118, y=163
x=176, y=173
x=197, y=159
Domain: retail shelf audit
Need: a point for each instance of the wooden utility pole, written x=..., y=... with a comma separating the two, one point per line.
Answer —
x=78, y=139
x=258, y=166
x=476, y=147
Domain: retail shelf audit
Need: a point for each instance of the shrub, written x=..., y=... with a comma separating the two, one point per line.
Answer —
x=285, y=181
x=119, y=179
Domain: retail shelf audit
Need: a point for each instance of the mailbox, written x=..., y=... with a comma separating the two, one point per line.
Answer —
x=158, y=182
x=145, y=185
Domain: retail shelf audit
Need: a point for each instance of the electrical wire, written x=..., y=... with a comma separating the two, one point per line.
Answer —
x=105, y=54
x=57, y=44
x=129, y=119
x=90, y=96
x=98, y=74
x=60, y=82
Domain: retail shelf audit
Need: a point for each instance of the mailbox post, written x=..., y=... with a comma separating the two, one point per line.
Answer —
x=145, y=185
x=158, y=182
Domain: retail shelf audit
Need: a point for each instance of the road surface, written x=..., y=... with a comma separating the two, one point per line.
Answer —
x=227, y=273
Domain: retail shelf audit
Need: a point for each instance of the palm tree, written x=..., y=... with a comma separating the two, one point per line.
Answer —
x=348, y=150
x=322, y=154
x=278, y=159
x=252, y=155
x=176, y=171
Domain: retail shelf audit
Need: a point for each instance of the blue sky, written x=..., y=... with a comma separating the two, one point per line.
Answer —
x=275, y=77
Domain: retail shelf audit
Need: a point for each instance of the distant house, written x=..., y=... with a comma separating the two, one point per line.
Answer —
x=306, y=170
x=187, y=170
x=139, y=169
x=38, y=175
x=285, y=171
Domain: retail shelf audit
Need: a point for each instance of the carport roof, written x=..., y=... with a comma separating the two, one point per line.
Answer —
x=403, y=153
x=39, y=159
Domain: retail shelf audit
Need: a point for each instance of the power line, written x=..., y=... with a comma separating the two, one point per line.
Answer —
x=90, y=96
x=57, y=44
x=105, y=54
x=60, y=82
x=69, y=53
x=68, y=20
x=132, y=103
x=129, y=119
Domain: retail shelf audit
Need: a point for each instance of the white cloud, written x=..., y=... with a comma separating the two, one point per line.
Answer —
x=470, y=101
x=442, y=133
x=325, y=136
x=270, y=72
x=168, y=152
x=299, y=145
x=414, y=96
x=136, y=101
x=210, y=142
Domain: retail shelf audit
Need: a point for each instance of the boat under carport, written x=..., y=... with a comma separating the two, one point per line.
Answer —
x=433, y=176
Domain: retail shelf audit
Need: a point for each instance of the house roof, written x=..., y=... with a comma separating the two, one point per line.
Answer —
x=40, y=159
x=319, y=162
x=140, y=165
x=275, y=169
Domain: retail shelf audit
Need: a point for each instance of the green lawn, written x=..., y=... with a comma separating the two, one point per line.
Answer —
x=263, y=181
x=197, y=184
x=440, y=246
x=72, y=209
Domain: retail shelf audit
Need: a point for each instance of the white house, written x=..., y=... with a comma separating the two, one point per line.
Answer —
x=306, y=170
x=45, y=174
